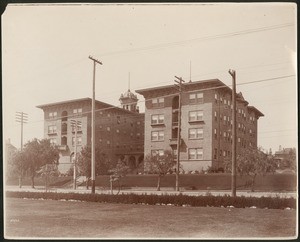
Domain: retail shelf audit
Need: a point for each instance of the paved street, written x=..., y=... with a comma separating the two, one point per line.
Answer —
x=163, y=191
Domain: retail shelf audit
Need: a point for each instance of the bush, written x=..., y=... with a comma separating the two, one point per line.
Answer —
x=177, y=200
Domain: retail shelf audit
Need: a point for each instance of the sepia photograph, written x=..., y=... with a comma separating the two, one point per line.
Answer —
x=150, y=121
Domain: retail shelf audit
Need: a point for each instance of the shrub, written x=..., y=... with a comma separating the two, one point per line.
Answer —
x=177, y=200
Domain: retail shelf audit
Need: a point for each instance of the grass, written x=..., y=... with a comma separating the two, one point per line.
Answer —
x=66, y=219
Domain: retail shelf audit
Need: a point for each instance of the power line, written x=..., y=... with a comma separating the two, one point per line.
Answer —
x=212, y=37
x=169, y=95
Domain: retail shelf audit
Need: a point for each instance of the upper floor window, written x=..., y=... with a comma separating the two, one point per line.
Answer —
x=52, y=129
x=195, y=116
x=158, y=102
x=196, y=133
x=196, y=154
x=118, y=120
x=157, y=135
x=77, y=111
x=78, y=125
x=53, y=115
x=157, y=119
x=216, y=97
x=196, y=97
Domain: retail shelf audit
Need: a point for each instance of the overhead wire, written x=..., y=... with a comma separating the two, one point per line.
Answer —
x=169, y=95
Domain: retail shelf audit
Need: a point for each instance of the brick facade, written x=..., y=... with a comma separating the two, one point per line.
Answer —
x=206, y=124
x=118, y=132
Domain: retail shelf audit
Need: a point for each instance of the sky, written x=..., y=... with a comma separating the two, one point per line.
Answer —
x=45, y=50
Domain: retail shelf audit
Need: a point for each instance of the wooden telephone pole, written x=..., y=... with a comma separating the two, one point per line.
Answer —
x=233, y=168
x=93, y=124
x=179, y=88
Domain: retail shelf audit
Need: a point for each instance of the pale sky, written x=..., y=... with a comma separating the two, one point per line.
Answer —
x=45, y=51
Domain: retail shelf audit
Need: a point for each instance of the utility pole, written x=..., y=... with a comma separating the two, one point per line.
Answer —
x=93, y=124
x=75, y=124
x=179, y=88
x=21, y=118
x=233, y=168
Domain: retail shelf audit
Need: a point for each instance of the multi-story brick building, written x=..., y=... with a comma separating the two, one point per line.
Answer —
x=118, y=131
x=206, y=137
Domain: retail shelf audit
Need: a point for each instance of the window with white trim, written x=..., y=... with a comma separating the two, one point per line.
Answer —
x=53, y=115
x=79, y=141
x=158, y=102
x=195, y=116
x=53, y=141
x=196, y=154
x=196, y=133
x=52, y=129
x=157, y=135
x=77, y=111
x=157, y=119
x=196, y=97
x=157, y=152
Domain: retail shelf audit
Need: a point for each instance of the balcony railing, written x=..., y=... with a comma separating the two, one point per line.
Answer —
x=174, y=141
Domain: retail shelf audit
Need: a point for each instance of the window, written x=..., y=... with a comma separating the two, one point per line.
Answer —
x=77, y=111
x=224, y=153
x=196, y=154
x=196, y=97
x=118, y=120
x=157, y=135
x=196, y=133
x=157, y=119
x=215, y=133
x=216, y=116
x=53, y=115
x=224, y=120
x=108, y=128
x=157, y=152
x=118, y=131
x=215, y=153
x=195, y=116
x=79, y=126
x=53, y=141
x=79, y=141
x=158, y=102
x=216, y=98
x=52, y=129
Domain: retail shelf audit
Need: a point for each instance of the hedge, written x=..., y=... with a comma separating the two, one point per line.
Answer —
x=176, y=200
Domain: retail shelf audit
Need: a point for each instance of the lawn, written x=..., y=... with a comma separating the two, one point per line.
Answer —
x=67, y=219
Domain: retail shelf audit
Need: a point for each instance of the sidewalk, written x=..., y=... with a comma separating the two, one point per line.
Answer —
x=152, y=190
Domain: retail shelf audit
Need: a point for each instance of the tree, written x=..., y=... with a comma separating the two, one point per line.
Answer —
x=83, y=163
x=160, y=165
x=38, y=153
x=290, y=159
x=252, y=162
x=118, y=172
x=47, y=171
x=16, y=166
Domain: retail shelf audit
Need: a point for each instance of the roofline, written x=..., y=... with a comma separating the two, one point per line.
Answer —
x=85, y=99
x=257, y=111
x=71, y=101
x=140, y=91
